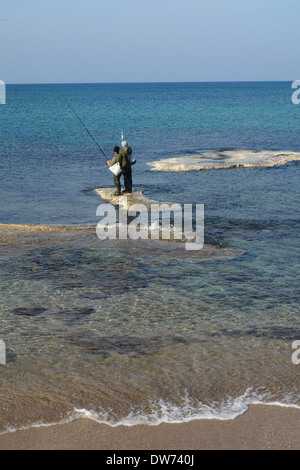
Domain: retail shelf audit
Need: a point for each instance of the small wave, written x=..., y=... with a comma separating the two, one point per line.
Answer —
x=166, y=412
x=169, y=413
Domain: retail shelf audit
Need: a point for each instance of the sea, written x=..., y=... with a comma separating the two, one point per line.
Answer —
x=145, y=331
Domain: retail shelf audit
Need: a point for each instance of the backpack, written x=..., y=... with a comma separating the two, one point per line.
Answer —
x=127, y=156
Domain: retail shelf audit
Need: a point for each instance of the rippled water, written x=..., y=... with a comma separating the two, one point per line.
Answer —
x=145, y=331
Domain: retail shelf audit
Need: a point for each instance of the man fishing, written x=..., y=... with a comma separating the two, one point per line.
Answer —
x=117, y=158
x=127, y=162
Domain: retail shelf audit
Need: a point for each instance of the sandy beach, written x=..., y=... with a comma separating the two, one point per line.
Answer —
x=262, y=427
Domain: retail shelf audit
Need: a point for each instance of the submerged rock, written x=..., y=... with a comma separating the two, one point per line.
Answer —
x=29, y=311
x=125, y=201
x=225, y=159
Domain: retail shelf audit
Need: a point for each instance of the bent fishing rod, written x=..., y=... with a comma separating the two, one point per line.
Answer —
x=92, y=137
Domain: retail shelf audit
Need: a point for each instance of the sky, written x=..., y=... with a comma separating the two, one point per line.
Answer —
x=104, y=41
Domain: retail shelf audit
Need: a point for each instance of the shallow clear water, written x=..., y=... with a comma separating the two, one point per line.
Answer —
x=144, y=331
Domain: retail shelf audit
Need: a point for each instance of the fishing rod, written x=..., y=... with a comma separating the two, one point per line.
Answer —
x=122, y=129
x=92, y=137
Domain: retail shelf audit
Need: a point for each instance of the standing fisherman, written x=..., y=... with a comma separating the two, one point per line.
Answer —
x=115, y=164
x=116, y=159
x=127, y=162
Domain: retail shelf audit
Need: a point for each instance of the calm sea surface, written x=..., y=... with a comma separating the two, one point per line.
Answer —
x=144, y=331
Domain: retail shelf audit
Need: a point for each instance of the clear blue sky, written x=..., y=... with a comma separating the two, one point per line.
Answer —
x=57, y=41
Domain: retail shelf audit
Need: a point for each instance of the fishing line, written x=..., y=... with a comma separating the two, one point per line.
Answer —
x=92, y=137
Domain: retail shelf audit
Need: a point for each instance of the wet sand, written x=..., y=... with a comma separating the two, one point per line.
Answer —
x=262, y=427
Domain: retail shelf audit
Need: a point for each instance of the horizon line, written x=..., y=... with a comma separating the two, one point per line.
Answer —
x=153, y=82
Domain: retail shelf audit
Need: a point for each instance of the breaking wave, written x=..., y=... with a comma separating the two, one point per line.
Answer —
x=169, y=413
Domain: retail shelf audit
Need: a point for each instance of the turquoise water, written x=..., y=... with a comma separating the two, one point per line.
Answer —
x=43, y=145
x=144, y=331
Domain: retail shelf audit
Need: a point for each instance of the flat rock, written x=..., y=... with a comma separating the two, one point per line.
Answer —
x=225, y=159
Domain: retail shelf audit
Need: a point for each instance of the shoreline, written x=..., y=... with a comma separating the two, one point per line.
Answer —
x=261, y=427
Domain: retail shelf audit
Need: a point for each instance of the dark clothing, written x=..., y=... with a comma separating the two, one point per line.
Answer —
x=115, y=159
x=117, y=183
x=127, y=175
x=126, y=168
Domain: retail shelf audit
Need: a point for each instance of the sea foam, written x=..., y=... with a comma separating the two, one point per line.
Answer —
x=169, y=413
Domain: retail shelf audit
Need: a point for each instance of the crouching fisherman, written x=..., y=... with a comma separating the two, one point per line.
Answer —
x=127, y=162
x=117, y=158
